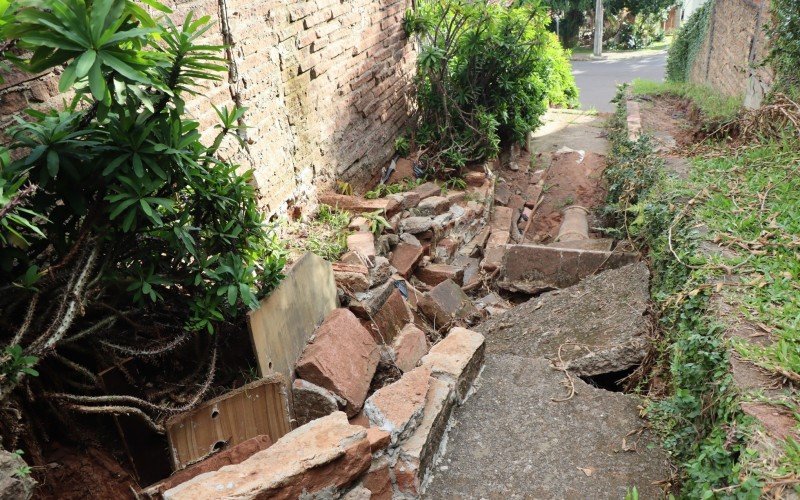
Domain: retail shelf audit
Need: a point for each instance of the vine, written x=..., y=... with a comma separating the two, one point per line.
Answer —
x=687, y=44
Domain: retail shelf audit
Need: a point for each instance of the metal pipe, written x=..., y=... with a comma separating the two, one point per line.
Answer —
x=575, y=225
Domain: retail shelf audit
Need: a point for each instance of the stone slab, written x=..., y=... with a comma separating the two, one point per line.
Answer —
x=342, y=358
x=510, y=440
x=286, y=319
x=536, y=268
x=601, y=323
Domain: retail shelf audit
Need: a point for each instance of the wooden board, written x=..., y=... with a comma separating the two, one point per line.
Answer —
x=281, y=327
x=259, y=408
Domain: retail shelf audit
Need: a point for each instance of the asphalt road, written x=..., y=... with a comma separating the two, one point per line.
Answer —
x=598, y=80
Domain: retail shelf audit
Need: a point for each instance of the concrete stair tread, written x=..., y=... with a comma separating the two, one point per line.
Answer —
x=510, y=440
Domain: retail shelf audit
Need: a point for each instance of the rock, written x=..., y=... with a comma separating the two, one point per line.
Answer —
x=378, y=480
x=410, y=200
x=409, y=347
x=405, y=258
x=357, y=205
x=363, y=244
x=352, y=277
x=357, y=493
x=445, y=249
x=418, y=452
x=352, y=258
x=502, y=193
x=397, y=407
x=385, y=243
x=535, y=268
x=472, y=271
x=410, y=239
x=358, y=224
x=454, y=197
x=543, y=444
x=434, y=274
x=233, y=455
x=493, y=258
x=366, y=305
x=502, y=219
x=605, y=331
x=311, y=401
x=434, y=205
x=445, y=303
x=416, y=225
x=378, y=438
x=381, y=271
x=12, y=486
x=427, y=190
x=327, y=453
x=457, y=359
x=403, y=170
x=342, y=357
x=475, y=178
x=392, y=317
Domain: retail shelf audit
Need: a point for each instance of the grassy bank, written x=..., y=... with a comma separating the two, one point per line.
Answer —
x=742, y=199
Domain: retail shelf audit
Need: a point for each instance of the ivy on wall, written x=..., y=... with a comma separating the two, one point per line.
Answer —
x=784, y=32
x=687, y=43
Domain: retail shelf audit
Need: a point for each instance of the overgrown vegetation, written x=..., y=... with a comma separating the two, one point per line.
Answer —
x=125, y=239
x=715, y=108
x=745, y=201
x=486, y=74
x=784, y=32
x=687, y=44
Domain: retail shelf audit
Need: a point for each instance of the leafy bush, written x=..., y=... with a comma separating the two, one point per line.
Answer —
x=122, y=234
x=785, y=34
x=687, y=43
x=485, y=75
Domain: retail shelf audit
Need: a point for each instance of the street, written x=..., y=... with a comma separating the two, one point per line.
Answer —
x=598, y=80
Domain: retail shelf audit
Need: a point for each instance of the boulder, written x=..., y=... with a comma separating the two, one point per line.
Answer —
x=13, y=486
x=311, y=401
x=342, y=358
x=397, y=407
x=457, y=359
x=434, y=274
x=325, y=454
x=409, y=347
x=405, y=258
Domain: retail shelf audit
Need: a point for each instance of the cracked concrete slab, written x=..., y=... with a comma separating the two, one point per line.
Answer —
x=511, y=441
x=601, y=323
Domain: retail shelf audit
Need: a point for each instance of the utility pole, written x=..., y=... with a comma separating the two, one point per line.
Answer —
x=598, y=28
x=679, y=15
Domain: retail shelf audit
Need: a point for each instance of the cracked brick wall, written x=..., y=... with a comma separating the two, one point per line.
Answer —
x=731, y=59
x=327, y=84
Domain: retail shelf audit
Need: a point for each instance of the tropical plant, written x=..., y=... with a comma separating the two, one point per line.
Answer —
x=123, y=236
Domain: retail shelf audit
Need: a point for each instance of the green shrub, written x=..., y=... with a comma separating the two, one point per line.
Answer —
x=138, y=235
x=486, y=74
x=687, y=43
x=785, y=55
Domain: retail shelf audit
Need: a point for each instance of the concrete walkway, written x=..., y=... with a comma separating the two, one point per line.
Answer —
x=598, y=79
x=525, y=433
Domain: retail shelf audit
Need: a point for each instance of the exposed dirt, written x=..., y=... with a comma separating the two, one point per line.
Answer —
x=573, y=178
x=666, y=117
x=73, y=473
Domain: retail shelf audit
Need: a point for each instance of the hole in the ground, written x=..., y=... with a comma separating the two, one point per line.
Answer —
x=611, y=381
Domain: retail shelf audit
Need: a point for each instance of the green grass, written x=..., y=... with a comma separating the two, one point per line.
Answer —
x=747, y=199
x=716, y=107
x=753, y=206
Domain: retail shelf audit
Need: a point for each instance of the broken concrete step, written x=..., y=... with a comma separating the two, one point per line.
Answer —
x=536, y=268
x=457, y=359
x=326, y=454
x=512, y=440
x=600, y=324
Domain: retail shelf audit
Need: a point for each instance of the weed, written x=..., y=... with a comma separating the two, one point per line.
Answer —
x=327, y=234
x=401, y=146
x=377, y=222
x=344, y=188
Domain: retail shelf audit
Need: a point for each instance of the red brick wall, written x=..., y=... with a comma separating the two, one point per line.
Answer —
x=326, y=83
x=731, y=57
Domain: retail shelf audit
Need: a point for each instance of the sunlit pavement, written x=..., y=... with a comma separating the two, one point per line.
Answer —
x=598, y=79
